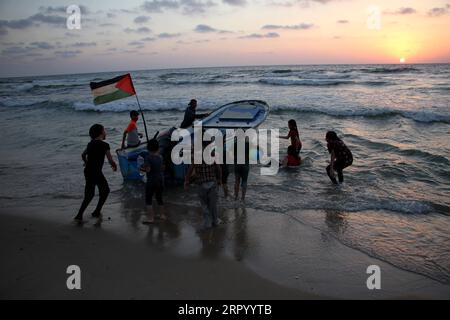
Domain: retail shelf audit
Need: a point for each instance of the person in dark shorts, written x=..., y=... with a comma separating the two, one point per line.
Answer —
x=94, y=157
x=153, y=166
x=341, y=157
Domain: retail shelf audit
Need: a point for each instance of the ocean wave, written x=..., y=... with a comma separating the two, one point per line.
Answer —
x=388, y=70
x=304, y=82
x=385, y=146
x=419, y=116
x=424, y=116
x=36, y=87
x=282, y=71
x=322, y=80
x=326, y=76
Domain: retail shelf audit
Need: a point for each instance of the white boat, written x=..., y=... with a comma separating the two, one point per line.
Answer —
x=240, y=114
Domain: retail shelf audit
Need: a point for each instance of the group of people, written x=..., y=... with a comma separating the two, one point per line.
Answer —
x=209, y=177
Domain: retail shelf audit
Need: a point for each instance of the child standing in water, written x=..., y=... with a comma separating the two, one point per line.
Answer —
x=294, y=136
x=153, y=165
x=94, y=157
x=341, y=156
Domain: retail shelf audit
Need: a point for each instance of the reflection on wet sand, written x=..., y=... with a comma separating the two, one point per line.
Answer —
x=132, y=202
x=240, y=238
x=336, y=221
x=181, y=232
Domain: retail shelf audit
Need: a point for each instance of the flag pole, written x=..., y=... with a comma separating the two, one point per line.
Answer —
x=143, y=118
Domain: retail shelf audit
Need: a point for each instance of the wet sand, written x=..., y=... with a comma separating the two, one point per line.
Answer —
x=251, y=255
x=35, y=255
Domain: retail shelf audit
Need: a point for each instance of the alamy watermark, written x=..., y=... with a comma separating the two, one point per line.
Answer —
x=73, y=21
x=374, y=17
x=236, y=146
x=73, y=282
x=374, y=280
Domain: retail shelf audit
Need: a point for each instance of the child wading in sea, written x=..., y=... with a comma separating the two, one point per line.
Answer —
x=292, y=159
x=153, y=166
x=94, y=157
x=294, y=136
x=341, y=156
x=131, y=133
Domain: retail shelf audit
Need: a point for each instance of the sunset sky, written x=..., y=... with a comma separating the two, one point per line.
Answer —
x=136, y=34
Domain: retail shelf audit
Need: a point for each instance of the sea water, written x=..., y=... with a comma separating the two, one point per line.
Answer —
x=393, y=205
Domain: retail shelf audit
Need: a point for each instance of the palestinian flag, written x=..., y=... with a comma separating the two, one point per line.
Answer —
x=113, y=89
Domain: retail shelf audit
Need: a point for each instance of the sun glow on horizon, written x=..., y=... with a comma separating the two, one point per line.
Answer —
x=402, y=60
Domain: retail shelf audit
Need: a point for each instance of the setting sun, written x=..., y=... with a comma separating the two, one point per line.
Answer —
x=402, y=60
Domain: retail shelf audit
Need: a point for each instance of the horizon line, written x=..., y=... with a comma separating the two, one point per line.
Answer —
x=233, y=66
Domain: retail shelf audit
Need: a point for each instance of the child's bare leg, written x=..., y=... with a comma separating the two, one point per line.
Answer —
x=162, y=212
x=244, y=190
x=225, y=190
x=150, y=215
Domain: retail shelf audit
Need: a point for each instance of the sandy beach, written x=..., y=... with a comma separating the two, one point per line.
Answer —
x=35, y=255
x=122, y=259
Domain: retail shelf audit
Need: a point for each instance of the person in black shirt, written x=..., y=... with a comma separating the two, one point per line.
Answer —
x=341, y=157
x=94, y=157
x=190, y=115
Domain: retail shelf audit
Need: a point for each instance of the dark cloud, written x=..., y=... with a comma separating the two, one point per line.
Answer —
x=402, y=11
x=55, y=16
x=42, y=45
x=141, y=19
x=16, y=24
x=107, y=24
x=139, y=30
x=261, y=36
x=61, y=9
x=196, y=6
x=303, y=3
x=300, y=26
x=148, y=39
x=32, y=20
x=136, y=43
x=68, y=53
x=188, y=7
x=240, y=3
x=159, y=5
x=3, y=31
x=17, y=50
x=49, y=19
x=111, y=15
x=166, y=35
x=437, y=12
x=203, y=28
x=343, y=21
x=84, y=44
x=72, y=35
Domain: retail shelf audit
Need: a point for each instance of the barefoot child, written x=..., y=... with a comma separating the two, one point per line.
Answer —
x=341, y=157
x=294, y=136
x=94, y=157
x=153, y=165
